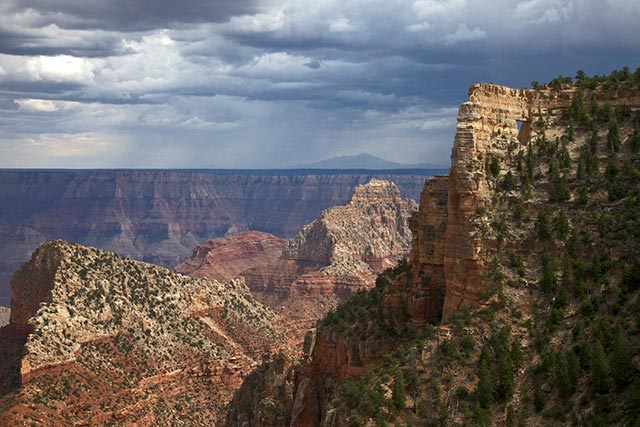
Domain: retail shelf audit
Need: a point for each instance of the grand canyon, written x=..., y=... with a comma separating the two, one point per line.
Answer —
x=160, y=216
x=508, y=295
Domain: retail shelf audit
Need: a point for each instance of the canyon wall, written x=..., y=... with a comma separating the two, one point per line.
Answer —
x=160, y=216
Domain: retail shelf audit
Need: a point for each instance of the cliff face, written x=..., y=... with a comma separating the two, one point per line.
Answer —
x=494, y=128
x=160, y=216
x=425, y=294
x=154, y=347
x=368, y=233
x=490, y=111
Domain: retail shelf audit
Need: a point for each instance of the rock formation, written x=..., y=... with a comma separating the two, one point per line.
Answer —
x=96, y=339
x=5, y=312
x=338, y=253
x=160, y=216
x=226, y=258
x=491, y=110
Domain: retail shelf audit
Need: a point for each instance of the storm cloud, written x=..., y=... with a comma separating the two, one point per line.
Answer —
x=276, y=83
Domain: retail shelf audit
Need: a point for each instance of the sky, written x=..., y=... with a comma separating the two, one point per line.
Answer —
x=273, y=84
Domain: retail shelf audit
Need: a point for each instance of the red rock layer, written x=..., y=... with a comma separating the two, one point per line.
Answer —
x=226, y=258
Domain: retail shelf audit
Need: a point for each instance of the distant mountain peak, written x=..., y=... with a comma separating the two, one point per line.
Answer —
x=363, y=161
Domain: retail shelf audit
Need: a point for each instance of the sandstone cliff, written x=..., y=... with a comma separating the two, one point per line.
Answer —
x=96, y=339
x=160, y=216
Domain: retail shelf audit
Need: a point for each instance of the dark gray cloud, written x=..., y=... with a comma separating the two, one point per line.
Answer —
x=313, y=64
x=268, y=84
x=130, y=15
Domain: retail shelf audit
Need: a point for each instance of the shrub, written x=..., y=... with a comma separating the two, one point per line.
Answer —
x=493, y=168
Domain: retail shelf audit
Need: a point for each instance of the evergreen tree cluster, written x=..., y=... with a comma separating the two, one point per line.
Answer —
x=617, y=79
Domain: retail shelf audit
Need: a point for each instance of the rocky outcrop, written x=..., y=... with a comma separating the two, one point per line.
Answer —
x=491, y=111
x=226, y=258
x=153, y=346
x=338, y=253
x=5, y=312
x=369, y=233
x=495, y=124
x=426, y=291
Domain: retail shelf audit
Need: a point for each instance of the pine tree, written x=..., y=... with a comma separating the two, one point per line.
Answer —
x=580, y=168
x=621, y=363
x=516, y=353
x=635, y=139
x=548, y=282
x=561, y=225
x=508, y=182
x=480, y=416
x=484, y=388
x=506, y=383
x=593, y=141
x=398, y=395
x=570, y=133
x=599, y=371
x=561, y=376
x=542, y=225
x=613, y=137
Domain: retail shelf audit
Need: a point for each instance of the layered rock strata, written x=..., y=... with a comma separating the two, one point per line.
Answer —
x=338, y=253
x=160, y=216
x=491, y=110
x=425, y=296
x=493, y=125
x=152, y=346
x=333, y=256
